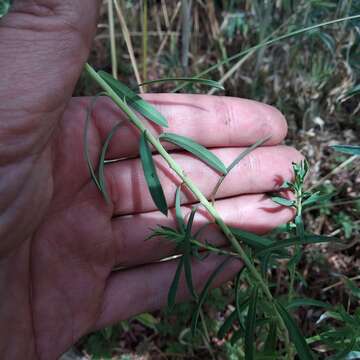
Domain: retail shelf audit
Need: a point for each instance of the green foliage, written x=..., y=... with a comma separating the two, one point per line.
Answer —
x=196, y=149
x=134, y=100
x=207, y=82
x=302, y=348
x=151, y=176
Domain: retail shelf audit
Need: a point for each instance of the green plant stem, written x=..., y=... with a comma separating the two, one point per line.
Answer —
x=214, y=249
x=193, y=188
x=297, y=247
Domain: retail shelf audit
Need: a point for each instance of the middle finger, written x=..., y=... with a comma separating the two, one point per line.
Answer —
x=264, y=170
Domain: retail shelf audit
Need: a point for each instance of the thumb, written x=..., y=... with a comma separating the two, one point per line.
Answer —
x=43, y=45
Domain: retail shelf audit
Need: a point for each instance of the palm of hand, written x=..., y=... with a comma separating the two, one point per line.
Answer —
x=61, y=241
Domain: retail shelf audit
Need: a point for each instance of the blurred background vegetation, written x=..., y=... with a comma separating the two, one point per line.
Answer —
x=314, y=79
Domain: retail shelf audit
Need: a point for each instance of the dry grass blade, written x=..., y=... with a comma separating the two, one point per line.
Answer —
x=114, y=64
x=186, y=20
x=128, y=42
x=166, y=37
x=144, y=11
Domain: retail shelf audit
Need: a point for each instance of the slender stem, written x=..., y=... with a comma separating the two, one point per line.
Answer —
x=213, y=249
x=114, y=64
x=145, y=38
x=191, y=186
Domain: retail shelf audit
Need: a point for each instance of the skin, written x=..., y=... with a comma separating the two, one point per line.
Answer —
x=59, y=240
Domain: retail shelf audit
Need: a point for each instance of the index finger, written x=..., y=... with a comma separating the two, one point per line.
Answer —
x=213, y=121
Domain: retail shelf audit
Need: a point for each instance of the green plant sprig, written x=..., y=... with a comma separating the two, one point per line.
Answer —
x=192, y=187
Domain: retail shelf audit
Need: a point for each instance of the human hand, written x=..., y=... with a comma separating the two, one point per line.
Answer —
x=59, y=240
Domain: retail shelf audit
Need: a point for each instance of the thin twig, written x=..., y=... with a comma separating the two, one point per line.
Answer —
x=341, y=282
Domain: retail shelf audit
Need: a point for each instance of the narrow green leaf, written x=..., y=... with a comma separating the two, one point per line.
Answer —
x=175, y=284
x=264, y=266
x=250, y=325
x=308, y=239
x=151, y=176
x=167, y=233
x=302, y=348
x=196, y=149
x=295, y=303
x=205, y=292
x=317, y=198
x=85, y=139
x=101, y=174
x=282, y=201
x=134, y=100
x=237, y=296
x=347, y=149
x=255, y=241
x=187, y=253
x=179, y=215
x=201, y=81
x=247, y=152
x=147, y=320
x=235, y=162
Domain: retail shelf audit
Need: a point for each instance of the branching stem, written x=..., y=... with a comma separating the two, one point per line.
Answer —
x=193, y=188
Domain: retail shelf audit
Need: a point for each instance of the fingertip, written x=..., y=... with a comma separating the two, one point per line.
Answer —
x=276, y=121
